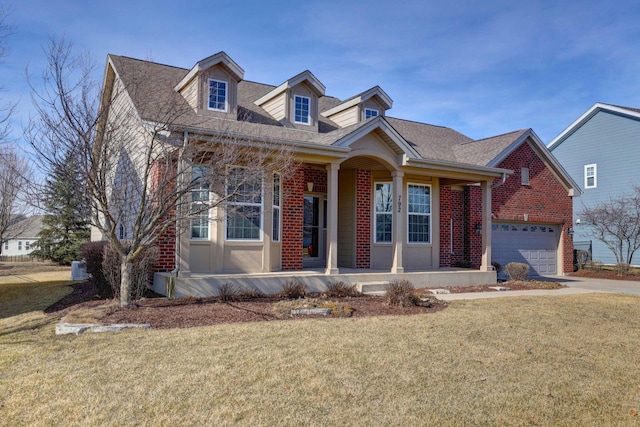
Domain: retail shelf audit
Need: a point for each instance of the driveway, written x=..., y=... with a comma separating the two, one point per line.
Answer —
x=600, y=285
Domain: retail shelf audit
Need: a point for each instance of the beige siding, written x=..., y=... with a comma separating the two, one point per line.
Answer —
x=347, y=117
x=276, y=107
x=217, y=73
x=200, y=257
x=190, y=94
x=242, y=258
x=346, y=218
x=381, y=256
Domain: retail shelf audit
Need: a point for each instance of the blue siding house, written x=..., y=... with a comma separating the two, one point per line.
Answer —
x=601, y=152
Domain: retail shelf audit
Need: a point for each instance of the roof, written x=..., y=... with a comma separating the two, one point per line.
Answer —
x=586, y=116
x=157, y=98
x=27, y=228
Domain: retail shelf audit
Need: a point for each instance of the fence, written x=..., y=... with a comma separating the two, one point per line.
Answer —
x=19, y=258
x=582, y=245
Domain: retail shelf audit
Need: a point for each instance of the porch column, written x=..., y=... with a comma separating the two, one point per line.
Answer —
x=332, y=218
x=486, y=226
x=183, y=236
x=398, y=222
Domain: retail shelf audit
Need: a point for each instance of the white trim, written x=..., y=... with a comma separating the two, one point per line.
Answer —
x=226, y=95
x=218, y=58
x=295, y=101
x=373, y=110
x=430, y=214
x=277, y=207
x=208, y=237
x=375, y=212
x=261, y=204
x=595, y=175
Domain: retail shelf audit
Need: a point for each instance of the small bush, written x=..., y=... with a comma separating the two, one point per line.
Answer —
x=594, y=265
x=228, y=292
x=581, y=258
x=497, y=266
x=293, y=289
x=93, y=255
x=401, y=292
x=341, y=290
x=517, y=270
x=623, y=268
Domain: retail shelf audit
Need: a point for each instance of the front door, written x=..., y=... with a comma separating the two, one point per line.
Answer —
x=313, y=232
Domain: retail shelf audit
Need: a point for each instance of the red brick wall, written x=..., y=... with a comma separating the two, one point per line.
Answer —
x=317, y=176
x=473, y=216
x=363, y=219
x=167, y=246
x=545, y=200
x=293, y=188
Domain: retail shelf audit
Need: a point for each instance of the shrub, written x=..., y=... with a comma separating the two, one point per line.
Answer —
x=517, y=270
x=623, y=268
x=594, y=265
x=400, y=292
x=93, y=254
x=293, y=289
x=581, y=257
x=497, y=266
x=228, y=292
x=341, y=290
x=140, y=274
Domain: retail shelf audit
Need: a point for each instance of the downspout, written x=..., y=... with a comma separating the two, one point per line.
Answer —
x=502, y=181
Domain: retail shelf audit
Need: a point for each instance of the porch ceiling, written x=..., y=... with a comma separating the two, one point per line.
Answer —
x=362, y=163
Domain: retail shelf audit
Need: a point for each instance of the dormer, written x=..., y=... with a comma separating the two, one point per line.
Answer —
x=370, y=103
x=295, y=102
x=211, y=86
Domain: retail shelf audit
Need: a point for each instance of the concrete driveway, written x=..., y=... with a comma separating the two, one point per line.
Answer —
x=600, y=285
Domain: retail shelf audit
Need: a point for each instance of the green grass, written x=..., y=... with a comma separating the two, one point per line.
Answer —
x=569, y=360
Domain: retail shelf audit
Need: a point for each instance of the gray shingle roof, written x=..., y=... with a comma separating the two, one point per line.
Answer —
x=156, y=99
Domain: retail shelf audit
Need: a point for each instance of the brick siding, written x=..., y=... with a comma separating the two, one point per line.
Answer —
x=293, y=188
x=363, y=219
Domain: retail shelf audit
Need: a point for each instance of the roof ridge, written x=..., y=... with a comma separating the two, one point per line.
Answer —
x=495, y=136
x=148, y=61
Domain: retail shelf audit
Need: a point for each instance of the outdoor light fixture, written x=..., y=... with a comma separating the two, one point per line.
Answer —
x=310, y=186
x=478, y=228
x=570, y=231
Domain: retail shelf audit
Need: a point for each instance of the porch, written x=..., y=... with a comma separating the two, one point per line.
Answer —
x=316, y=280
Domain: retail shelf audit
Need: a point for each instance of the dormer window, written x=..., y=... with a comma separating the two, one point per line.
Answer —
x=301, y=112
x=217, y=95
x=370, y=112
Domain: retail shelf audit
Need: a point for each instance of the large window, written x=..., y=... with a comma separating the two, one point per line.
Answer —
x=199, y=203
x=244, y=204
x=277, y=189
x=217, y=95
x=301, y=113
x=590, y=176
x=419, y=213
x=383, y=212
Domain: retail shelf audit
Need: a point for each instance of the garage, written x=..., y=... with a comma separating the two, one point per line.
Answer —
x=534, y=244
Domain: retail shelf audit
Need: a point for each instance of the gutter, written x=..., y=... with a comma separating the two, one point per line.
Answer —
x=502, y=181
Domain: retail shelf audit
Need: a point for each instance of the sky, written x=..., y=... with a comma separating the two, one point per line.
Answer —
x=483, y=68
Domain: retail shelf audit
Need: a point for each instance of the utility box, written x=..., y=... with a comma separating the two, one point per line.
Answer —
x=79, y=270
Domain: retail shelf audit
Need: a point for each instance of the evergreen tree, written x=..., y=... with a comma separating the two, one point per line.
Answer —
x=66, y=223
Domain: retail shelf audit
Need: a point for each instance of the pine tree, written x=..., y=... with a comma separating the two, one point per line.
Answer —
x=66, y=223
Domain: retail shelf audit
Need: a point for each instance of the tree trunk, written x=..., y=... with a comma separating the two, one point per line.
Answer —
x=126, y=269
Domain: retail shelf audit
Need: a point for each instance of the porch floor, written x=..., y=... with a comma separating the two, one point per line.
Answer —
x=203, y=285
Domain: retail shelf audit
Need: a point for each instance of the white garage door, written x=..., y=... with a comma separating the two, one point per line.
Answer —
x=534, y=244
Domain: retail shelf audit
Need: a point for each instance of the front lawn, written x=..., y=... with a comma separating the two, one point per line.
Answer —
x=569, y=360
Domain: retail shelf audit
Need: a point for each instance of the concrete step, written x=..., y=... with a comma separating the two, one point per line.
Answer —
x=373, y=288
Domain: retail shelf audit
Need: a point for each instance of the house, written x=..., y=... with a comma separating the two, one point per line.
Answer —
x=374, y=197
x=599, y=151
x=20, y=237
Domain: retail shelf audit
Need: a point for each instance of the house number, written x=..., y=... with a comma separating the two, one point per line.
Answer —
x=399, y=203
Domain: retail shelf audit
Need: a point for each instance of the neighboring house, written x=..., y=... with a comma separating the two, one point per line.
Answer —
x=600, y=152
x=374, y=195
x=21, y=236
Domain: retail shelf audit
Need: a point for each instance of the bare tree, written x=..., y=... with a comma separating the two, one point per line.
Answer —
x=146, y=164
x=13, y=170
x=6, y=109
x=616, y=223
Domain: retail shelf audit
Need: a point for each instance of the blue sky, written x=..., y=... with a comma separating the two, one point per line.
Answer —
x=481, y=67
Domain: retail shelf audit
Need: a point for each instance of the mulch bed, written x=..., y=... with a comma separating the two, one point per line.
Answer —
x=189, y=312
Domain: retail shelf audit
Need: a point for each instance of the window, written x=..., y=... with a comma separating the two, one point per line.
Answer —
x=383, y=212
x=301, y=113
x=199, y=203
x=26, y=246
x=6, y=246
x=121, y=232
x=244, y=204
x=524, y=176
x=217, y=95
x=19, y=245
x=276, y=207
x=590, y=176
x=419, y=213
x=370, y=112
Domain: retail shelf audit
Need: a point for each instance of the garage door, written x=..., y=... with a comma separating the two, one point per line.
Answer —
x=534, y=244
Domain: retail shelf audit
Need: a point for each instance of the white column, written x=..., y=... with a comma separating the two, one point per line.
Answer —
x=183, y=235
x=332, y=218
x=398, y=221
x=486, y=226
